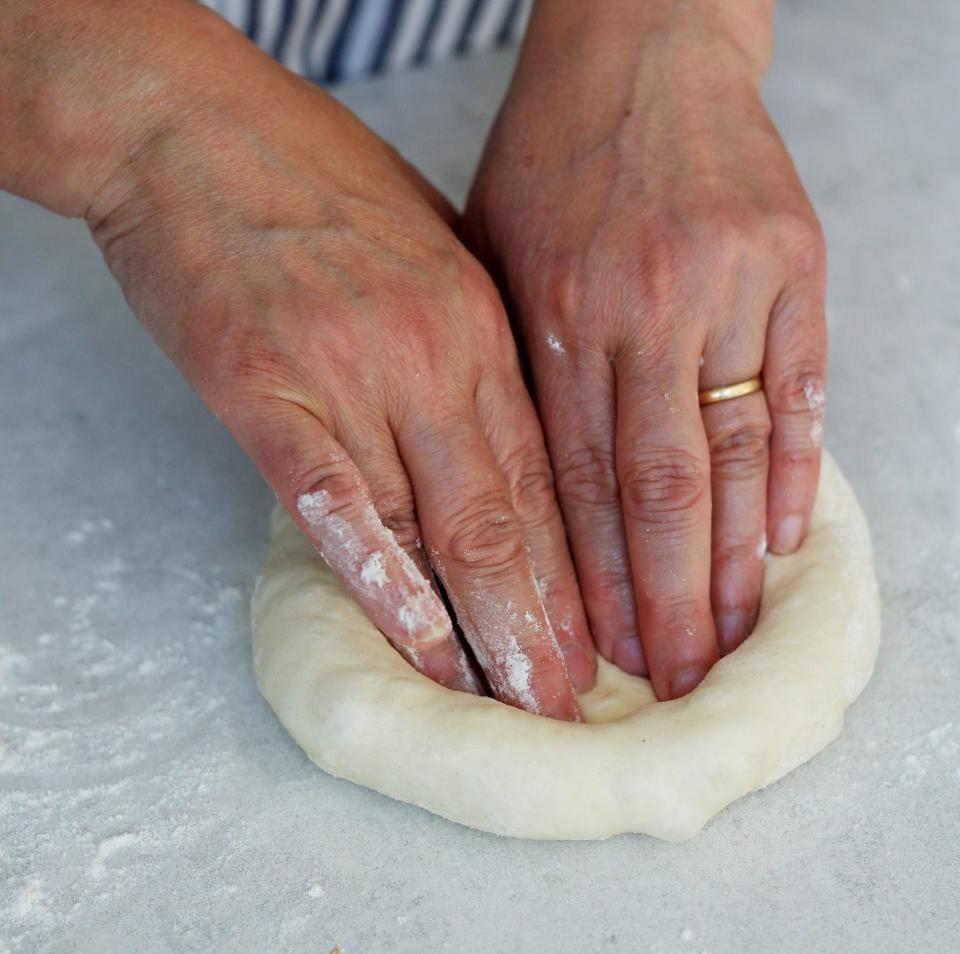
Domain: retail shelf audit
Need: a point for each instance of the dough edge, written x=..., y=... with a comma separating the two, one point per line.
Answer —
x=361, y=713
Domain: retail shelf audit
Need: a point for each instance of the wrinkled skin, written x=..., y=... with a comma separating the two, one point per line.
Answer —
x=651, y=234
x=323, y=308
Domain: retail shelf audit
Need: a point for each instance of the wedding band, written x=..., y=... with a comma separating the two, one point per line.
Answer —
x=729, y=391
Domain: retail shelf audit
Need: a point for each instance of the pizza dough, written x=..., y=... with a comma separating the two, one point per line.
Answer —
x=637, y=765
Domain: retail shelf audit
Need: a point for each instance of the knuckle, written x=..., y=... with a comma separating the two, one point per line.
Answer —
x=800, y=391
x=675, y=618
x=798, y=403
x=484, y=535
x=587, y=478
x=721, y=239
x=325, y=489
x=662, y=272
x=534, y=494
x=659, y=486
x=398, y=514
x=565, y=290
x=556, y=283
x=252, y=370
x=741, y=451
x=798, y=456
x=405, y=530
x=482, y=291
x=733, y=555
x=711, y=249
x=485, y=305
x=612, y=587
x=802, y=238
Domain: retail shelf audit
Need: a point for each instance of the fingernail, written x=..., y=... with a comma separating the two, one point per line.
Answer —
x=787, y=537
x=732, y=626
x=686, y=680
x=579, y=667
x=628, y=655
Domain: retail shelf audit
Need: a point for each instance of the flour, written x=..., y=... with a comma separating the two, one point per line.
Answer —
x=384, y=577
x=415, y=609
x=518, y=668
x=373, y=570
x=112, y=730
x=31, y=899
x=505, y=634
x=929, y=751
x=114, y=845
x=555, y=344
x=816, y=402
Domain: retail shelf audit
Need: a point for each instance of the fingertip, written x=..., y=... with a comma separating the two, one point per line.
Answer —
x=581, y=667
x=562, y=706
x=465, y=679
x=628, y=656
x=685, y=680
x=683, y=669
x=733, y=626
x=792, y=489
x=571, y=713
x=556, y=697
x=566, y=615
x=787, y=534
x=445, y=662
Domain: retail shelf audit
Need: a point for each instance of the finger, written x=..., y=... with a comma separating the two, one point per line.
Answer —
x=575, y=397
x=663, y=468
x=378, y=460
x=322, y=490
x=794, y=373
x=475, y=542
x=510, y=426
x=737, y=434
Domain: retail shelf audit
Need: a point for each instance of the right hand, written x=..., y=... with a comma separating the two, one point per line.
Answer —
x=307, y=282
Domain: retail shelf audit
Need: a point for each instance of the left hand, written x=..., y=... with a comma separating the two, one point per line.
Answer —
x=653, y=238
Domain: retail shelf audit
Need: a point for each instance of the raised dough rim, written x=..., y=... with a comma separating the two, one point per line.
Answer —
x=361, y=713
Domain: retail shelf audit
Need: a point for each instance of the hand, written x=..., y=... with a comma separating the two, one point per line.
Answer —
x=307, y=282
x=653, y=238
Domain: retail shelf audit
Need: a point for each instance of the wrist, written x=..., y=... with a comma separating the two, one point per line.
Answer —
x=615, y=32
x=86, y=84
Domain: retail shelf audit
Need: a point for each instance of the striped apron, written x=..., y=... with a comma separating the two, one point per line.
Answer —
x=334, y=41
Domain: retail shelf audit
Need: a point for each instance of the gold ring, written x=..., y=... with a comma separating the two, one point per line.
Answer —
x=729, y=391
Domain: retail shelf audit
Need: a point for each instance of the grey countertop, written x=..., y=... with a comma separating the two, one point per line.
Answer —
x=149, y=801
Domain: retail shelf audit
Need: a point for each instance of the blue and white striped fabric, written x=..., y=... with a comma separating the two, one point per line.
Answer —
x=332, y=41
